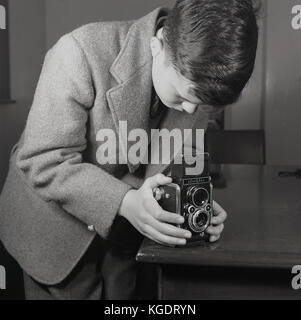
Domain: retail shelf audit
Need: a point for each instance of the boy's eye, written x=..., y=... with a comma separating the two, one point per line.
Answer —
x=179, y=100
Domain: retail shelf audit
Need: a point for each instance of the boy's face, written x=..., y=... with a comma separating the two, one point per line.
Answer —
x=174, y=90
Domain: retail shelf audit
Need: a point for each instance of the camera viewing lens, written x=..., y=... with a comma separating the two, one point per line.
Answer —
x=200, y=197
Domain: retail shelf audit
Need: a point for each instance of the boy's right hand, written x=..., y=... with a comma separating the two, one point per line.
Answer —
x=141, y=209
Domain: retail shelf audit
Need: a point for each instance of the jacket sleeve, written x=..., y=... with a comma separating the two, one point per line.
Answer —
x=51, y=154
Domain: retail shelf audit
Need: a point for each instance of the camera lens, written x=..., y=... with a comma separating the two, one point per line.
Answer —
x=199, y=221
x=199, y=196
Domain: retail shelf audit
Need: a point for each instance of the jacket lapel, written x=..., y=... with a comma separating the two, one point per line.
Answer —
x=130, y=100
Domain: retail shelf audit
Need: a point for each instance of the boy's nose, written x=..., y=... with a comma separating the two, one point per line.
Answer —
x=189, y=107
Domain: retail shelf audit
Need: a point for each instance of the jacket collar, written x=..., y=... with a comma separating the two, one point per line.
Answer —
x=136, y=53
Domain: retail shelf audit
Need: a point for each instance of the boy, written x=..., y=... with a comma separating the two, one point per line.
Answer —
x=60, y=205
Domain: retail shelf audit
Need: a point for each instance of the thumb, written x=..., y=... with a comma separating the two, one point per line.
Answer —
x=158, y=180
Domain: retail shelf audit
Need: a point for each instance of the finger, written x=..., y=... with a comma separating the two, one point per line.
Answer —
x=155, y=210
x=214, y=238
x=153, y=239
x=158, y=180
x=215, y=231
x=148, y=236
x=154, y=218
x=169, y=229
x=219, y=219
x=161, y=238
x=169, y=217
x=217, y=209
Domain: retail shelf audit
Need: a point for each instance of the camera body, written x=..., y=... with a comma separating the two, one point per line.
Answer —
x=190, y=196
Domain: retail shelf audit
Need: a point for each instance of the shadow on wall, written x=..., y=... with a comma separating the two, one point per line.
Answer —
x=26, y=28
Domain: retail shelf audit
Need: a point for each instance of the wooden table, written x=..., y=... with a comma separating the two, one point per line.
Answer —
x=260, y=245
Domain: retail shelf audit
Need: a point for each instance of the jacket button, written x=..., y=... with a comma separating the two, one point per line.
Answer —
x=91, y=228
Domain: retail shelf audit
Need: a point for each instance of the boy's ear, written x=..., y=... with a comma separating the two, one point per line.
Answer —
x=159, y=34
x=157, y=43
x=156, y=46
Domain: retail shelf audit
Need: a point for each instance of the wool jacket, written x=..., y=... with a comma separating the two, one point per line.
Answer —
x=56, y=189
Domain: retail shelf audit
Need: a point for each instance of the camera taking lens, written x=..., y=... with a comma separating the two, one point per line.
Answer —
x=199, y=221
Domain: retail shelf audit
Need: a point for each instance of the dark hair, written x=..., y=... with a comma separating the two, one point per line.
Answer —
x=213, y=43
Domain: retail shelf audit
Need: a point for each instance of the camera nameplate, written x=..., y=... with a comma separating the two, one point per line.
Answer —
x=191, y=181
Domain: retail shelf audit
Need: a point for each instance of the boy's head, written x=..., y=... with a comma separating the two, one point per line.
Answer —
x=205, y=53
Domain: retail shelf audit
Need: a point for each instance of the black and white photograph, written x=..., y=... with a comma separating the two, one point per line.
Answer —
x=149, y=152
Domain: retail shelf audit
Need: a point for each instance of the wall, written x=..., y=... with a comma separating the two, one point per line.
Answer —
x=283, y=85
x=272, y=99
x=69, y=14
x=27, y=49
x=247, y=113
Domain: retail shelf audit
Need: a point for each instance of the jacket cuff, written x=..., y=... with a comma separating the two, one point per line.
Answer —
x=101, y=222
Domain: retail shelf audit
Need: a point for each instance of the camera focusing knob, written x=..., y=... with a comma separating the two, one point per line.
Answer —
x=159, y=193
x=208, y=207
x=191, y=209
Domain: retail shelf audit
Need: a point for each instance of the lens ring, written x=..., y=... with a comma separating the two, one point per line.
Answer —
x=194, y=225
x=195, y=197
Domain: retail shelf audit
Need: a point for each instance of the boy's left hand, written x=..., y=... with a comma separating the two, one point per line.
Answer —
x=217, y=222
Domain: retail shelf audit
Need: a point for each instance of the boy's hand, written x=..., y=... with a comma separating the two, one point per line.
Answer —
x=141, y=209
x=217, y=222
